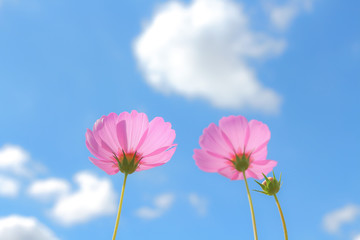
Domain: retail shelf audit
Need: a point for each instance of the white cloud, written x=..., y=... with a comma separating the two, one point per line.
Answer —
x=333, y=221
x=282, y=16
x=9, y=187
x=94, y=198
x=161, y=204
x=15, y=160
x=199, y=203
x=203, y=50
x=357, y=237
x=52, y=188
x=16, y=227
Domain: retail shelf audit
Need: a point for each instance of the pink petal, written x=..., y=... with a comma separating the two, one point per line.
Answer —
x=159, y=135
x=235, y=129
x=143, y=167
x=134, y=125
x=108, y=166
x=259, y=154
x=213, y=141
x=158, y=151
x=107, y=131
x=251, y=174
x=95, y=147
x=104, y=135
x=231, y=172
x=121, y=135
x=264, y=166
x=207, y=162
x=259, y=136
x=162, y=158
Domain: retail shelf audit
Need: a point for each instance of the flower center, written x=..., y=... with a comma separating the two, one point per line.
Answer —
x=241, y=162
x=127, y=162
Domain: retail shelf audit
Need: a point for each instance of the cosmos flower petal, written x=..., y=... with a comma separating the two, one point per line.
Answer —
x=156, y=160
x=131, y=138
x=213, y=141
x=260, y=153
x=94, y=147
x=207, y=162
x=136, y=126
x=234, y=147
x=253, y=174
x=230, y=172
x=259, y=136
x=264, y=166
x=144, y=166
x=121, y=135
x=101, y=137
x=108, y=166
x=159, y=135
x=158, y=151
x=106, y=131
x=236, y=129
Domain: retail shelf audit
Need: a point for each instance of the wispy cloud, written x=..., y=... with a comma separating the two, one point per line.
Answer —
x=94, y=197
x=199, y=203
x=282, y=16
x=15, y=160
x=47, y=189
x=16, y=227
x=9, y=187
x=334, y=220
x=357, y=237
x=161, y=204
x=204, y=50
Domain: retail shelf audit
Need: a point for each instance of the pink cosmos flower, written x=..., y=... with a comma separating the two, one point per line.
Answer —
x=128, y=142
x=233, y=147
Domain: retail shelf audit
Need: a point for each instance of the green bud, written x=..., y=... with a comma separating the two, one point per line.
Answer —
x=270, y=186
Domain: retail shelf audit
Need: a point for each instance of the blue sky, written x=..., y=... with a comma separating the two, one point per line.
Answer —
x=292, y=64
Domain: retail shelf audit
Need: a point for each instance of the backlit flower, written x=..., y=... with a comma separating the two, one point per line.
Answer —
x=233, y=147
x=128, y=142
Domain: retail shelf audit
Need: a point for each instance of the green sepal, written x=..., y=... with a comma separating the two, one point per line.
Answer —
x=260, y=191
x=270, y=187
x=242, y=162
x=127, y=166
x=263, y=187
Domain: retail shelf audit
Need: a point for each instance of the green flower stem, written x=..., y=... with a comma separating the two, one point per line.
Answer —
x=120, y=205
x=282, y=217
x=251, y=208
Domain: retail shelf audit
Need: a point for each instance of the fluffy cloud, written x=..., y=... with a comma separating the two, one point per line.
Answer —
x=95, y=197
x=161, y=204
x=199, y=203
x=9, y=187
x=203, y=50
x=15, y=160
x=49, y=189
x=16, y=227
x=333, y=221
x=282, y=16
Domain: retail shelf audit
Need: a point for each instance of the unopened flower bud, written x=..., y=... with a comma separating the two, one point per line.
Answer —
x=270, y=186
x=264, y=182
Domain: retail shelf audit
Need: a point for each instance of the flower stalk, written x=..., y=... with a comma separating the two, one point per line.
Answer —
x=271, y=186
x=282, y=217
x=251, y=208
x=120, y=205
